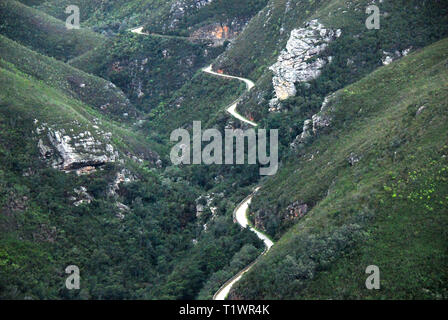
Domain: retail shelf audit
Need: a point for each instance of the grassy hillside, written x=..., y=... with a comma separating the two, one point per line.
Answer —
x=388, y=208
x=44, y=33
x=368, y=189
x=94, y=91
x=28, y=98
x=405, y=26
x=143, y=242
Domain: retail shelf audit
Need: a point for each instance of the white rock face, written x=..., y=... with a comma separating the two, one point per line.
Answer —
x=322, y=119
x=389, y=57
x=319, y=121
x=80, y=151
x=306, y=132
x=45, y=151
x=81, y=197
x=299, y=62
x=69, y=151
x=205, y=202
x=124, y=176
x=405, y=52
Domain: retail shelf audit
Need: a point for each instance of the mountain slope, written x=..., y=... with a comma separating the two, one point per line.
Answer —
x=403, y=24
x=44, y=33
x=176, y=17
x=292, y=85
x=85, y=170
x=369, y=189
x=148, y=69
x=94, y=91
x=105, y=207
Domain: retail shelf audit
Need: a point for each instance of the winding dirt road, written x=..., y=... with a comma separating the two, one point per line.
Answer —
x=240, y=212
x=232, y=108
x=139, y=30
x=240, y=215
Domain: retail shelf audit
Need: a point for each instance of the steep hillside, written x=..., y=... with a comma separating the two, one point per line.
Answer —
x=367, y=188
x=210, y=18
x=303, y=51
x=86, y=176
x=77, y=188
x=69, y=134
x=43, y=33
x=204, y=99
x=148, y=69
x=94, y=91
x=108, y=16
x=403, y=24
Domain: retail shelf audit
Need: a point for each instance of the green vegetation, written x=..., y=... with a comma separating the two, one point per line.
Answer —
x=240, y=260
x=203, y=99
x=159, y=16
x=374, y=181
x=358, y=52
x=97, y=92
x=404, y=24
x=148, y=253
x=148, y=69
x=26, y=98
x=389, y=209
x=110, y=16
x=217, y=11
x=43, y=33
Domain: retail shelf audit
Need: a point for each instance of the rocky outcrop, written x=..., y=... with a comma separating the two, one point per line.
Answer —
x=420, y=110
x=45, y=151
x=323, y=118
x=182, y=7
x=389, y=57
x=124, y=176
x=82, y=151
x=353, y=159
x=296, y=210
x=318, y=122
x=300, y=61
x=122, y=208
x=81, y=197
x=307, y=130
x=205, y=202
x=220, y=32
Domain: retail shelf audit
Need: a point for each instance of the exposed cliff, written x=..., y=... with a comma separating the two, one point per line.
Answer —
x=300, y=61
x=219, y=32
x=75, y=151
